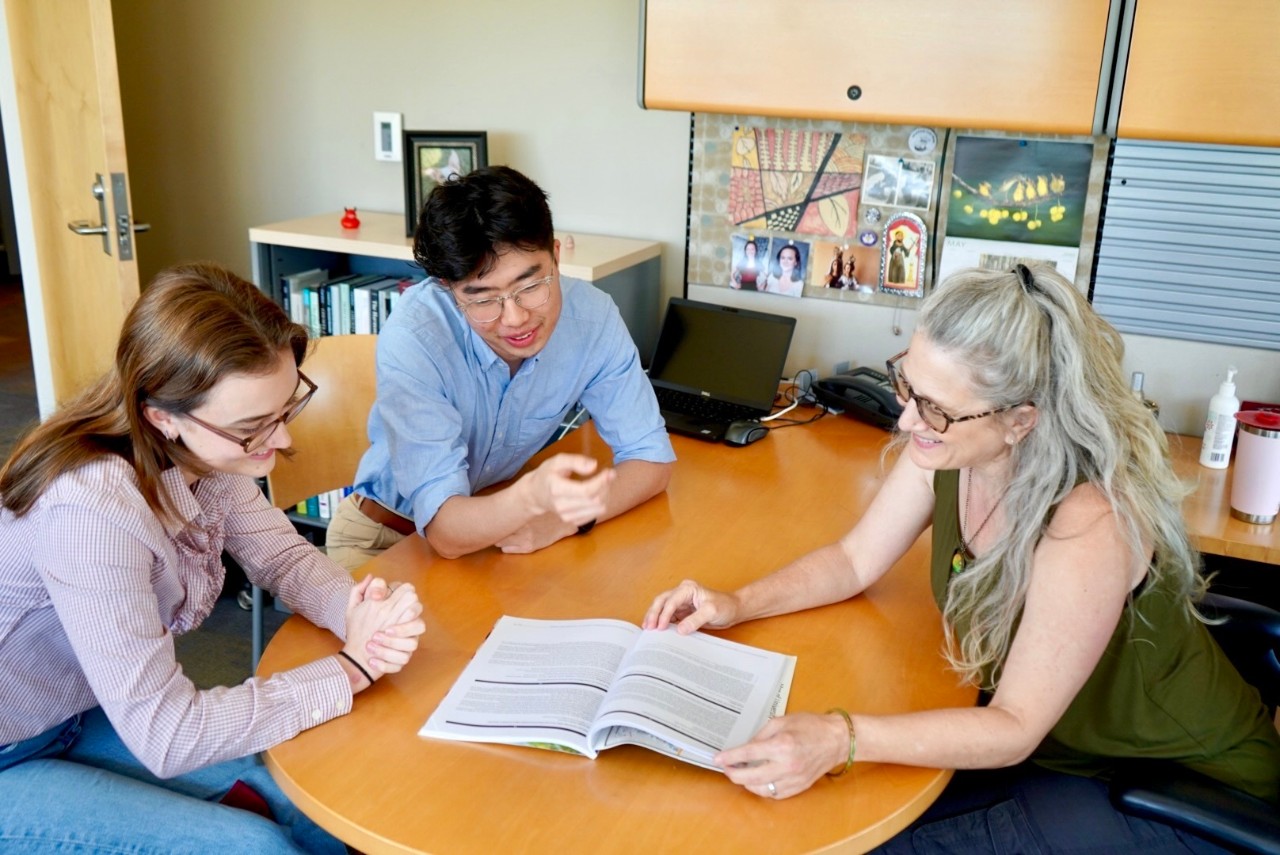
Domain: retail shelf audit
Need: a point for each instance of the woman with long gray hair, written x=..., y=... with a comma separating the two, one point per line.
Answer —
x=1061, y=567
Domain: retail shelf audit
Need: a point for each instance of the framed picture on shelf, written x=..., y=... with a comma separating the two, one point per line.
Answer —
x=433, y=157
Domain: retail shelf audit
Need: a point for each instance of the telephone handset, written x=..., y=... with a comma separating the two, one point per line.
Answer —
x=863, y=393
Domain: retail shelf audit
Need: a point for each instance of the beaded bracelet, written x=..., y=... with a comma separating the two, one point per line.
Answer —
x=848, y=722
x=359, y=667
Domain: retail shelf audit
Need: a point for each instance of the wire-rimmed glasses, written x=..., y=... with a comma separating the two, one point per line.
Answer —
x=256, y=440
x=486, y=310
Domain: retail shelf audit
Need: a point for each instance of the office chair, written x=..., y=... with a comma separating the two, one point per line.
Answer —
x=1197, y=803
x=328, y=438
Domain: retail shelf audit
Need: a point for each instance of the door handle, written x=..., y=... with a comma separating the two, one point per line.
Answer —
x=84, y=227
x=122, y=228
x=123, y=231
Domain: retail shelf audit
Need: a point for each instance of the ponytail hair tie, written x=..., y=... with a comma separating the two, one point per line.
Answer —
x=1024, y=276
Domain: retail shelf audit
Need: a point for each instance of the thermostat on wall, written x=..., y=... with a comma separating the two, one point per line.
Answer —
x=386, y=136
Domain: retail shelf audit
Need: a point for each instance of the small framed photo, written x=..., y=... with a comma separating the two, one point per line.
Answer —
x=896, y=182
x=433, y=157
x=903, y=255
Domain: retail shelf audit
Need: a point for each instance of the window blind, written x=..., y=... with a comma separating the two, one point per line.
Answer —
x=1190, y=243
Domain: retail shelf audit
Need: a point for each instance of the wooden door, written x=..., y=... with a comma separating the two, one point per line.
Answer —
x=1203, y=72
x=65, y=117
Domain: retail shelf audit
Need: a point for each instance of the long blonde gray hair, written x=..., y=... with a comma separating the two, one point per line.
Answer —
x=1033, y=337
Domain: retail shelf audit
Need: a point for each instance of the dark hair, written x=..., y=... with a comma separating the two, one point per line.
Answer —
x=468, y=220
x=796, y=274
x=192, y=326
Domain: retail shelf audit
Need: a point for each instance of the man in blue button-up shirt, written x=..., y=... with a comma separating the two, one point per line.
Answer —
x=477, y=367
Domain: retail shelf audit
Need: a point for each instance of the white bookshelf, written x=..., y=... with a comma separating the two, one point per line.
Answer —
x=625, y=268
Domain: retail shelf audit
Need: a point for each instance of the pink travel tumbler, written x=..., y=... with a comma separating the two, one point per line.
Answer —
x=1255, y=488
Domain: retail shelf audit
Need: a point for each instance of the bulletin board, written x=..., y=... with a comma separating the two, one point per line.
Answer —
x=859, y=213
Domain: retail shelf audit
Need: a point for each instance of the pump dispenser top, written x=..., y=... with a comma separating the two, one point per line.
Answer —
x=1228, y=387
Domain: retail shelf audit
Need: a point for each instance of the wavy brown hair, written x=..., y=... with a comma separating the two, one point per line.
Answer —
x=193, y=325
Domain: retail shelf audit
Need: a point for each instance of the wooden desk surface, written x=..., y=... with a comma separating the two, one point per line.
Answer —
x=730, y=515
x=1208, y=509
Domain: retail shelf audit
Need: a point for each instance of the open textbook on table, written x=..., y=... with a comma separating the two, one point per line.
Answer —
x=585, y=685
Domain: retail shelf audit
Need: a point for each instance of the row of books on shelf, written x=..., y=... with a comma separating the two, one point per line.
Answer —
x=321, y=507
x=352, y=303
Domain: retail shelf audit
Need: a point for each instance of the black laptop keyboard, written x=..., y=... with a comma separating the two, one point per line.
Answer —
x=699, y=407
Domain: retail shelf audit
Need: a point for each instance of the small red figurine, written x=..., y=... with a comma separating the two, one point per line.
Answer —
x=349, y=219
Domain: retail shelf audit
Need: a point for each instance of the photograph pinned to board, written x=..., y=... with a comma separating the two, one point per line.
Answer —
x=897, y=182
x=1015, y=200
x=433, y=157
x=902, y=259
x=806, y=182
x=787, y=263
x=749, y=262
x=845, y=266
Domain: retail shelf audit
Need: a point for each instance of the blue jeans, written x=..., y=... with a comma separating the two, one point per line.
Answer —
x=77, y=788
x=1028, y=809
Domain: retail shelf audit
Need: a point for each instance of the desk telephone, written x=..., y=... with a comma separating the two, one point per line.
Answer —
x=863, y=393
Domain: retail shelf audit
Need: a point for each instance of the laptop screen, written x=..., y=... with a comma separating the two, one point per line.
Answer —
x=732, y=354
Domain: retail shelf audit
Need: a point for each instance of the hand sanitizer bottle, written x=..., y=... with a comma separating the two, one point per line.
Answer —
x=1220, y=424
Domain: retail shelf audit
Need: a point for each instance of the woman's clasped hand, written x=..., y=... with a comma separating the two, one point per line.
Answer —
x=383, y=625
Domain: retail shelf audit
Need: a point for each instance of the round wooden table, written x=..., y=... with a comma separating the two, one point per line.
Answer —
x=729, y=515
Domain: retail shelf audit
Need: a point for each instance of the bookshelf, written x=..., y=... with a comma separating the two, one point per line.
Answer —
x=625, y=268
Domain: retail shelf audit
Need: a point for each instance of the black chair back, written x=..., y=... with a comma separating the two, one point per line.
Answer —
x=1250, y=636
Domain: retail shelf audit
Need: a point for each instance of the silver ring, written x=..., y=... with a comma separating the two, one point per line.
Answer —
x=773, y=791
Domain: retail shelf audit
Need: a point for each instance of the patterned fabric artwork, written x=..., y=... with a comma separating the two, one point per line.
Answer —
x=796, y=181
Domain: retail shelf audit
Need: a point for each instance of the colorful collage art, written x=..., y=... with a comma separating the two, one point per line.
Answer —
x=810, y=184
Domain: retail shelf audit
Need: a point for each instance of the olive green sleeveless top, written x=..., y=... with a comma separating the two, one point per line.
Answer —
x=1162, y=689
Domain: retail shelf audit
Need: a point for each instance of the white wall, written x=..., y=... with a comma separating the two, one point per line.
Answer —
x=1181, y=376
x=243, y=112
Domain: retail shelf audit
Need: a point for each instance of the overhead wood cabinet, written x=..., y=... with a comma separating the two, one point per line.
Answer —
x=1030, y=66
x=1203, y=72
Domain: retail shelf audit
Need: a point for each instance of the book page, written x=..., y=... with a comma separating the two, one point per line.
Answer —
x=534, y=682
x=699, y=693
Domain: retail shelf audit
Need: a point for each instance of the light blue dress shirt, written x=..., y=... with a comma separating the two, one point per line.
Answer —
x=449, y=419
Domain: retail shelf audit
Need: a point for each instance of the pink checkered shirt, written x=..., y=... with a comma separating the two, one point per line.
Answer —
x=93, y=588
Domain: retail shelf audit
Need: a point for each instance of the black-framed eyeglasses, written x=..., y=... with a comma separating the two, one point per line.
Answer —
x=259, y=437
x=486, y=310
x=930, y=413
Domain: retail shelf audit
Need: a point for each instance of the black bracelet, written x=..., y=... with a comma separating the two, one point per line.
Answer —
x=586, y=527
x=359, y=667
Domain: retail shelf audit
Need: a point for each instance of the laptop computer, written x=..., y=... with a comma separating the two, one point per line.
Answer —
x=715, y=364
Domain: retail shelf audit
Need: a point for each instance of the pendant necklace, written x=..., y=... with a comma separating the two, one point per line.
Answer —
x=962, y=556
